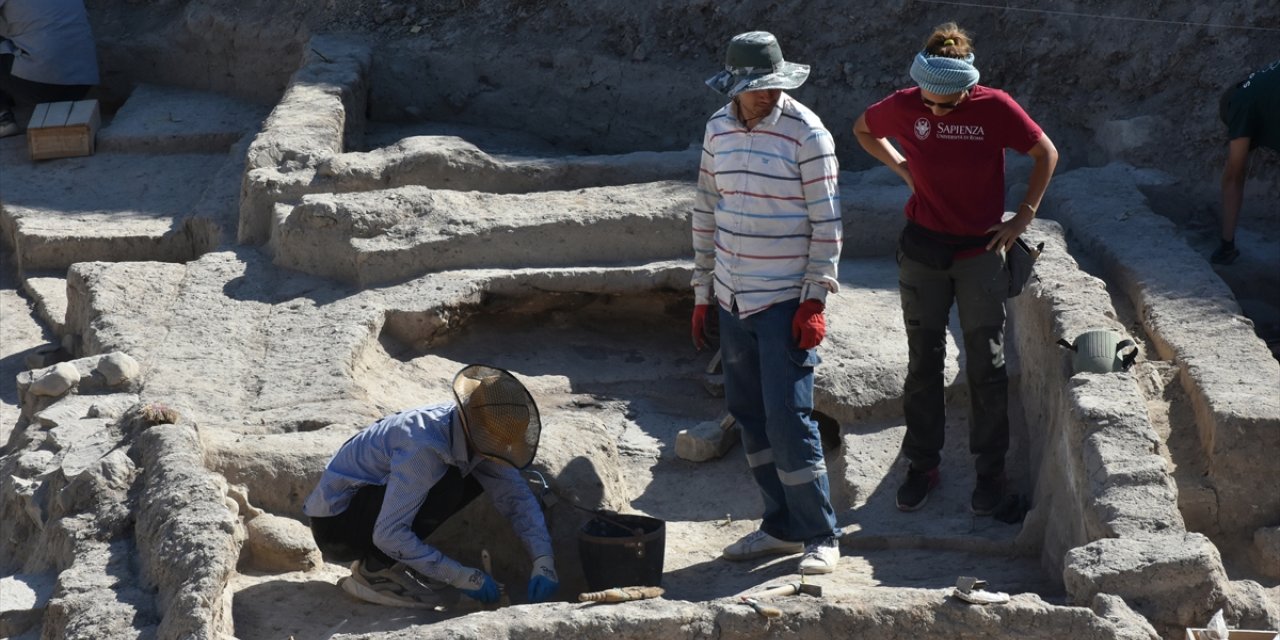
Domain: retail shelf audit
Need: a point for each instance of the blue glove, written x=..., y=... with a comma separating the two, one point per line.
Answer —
x=544, y=581
x=482, y=587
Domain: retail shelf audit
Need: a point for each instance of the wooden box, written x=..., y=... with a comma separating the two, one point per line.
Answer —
x=1236, y=634
x=63, y=129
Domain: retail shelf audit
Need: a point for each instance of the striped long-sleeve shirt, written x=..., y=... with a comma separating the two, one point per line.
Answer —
x=409, y=452
x=766, y=218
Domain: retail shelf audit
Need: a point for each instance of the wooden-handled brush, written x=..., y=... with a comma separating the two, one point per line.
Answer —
x=764, y=610
x=621, y=594
x=503, y=599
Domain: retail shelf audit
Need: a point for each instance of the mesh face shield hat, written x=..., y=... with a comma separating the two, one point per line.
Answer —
x=499, y=416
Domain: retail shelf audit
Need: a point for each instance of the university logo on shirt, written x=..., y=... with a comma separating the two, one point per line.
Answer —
x=922, y=128
x=956, y=131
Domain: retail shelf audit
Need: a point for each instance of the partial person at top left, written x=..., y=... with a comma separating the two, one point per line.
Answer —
x=47, y=54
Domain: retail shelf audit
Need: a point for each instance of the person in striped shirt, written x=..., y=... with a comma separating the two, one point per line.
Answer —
x=766, y=242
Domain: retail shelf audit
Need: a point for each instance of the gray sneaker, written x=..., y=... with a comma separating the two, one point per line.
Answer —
x=395, y=586
x=8, y=125
x=758, y=544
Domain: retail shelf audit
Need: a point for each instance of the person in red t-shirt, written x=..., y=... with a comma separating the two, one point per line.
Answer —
x=953, y=134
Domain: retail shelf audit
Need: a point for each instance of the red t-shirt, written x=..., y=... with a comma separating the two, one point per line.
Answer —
x=956, y=160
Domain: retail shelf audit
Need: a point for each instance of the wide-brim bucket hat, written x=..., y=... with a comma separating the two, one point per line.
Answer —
x=499, y=416
x=753, y=63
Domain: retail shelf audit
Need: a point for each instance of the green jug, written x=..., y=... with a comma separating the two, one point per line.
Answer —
x=1099, y=351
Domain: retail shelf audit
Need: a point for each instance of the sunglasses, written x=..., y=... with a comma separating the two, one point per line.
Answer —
x=943, y=105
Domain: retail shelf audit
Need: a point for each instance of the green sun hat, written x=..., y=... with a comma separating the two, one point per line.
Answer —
x=753, y=63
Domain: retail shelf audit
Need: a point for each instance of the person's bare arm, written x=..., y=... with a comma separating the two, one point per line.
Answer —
x=881, y=150
x=1233, y=174
x=1045, y=155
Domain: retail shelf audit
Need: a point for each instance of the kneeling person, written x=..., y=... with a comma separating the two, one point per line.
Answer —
x=389, y=486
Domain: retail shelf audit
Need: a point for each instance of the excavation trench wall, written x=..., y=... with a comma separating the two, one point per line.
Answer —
x=1100, y=483
x=393, y=235
x=300, y=188
x=912, y=613
x=304, y=143
x=1194, y=321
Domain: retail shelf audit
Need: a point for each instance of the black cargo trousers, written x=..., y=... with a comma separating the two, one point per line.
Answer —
x=978, y=285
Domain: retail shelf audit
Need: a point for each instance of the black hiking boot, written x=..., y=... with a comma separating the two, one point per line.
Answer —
x=915, y=491
x=988, y=493
x=1226, y=253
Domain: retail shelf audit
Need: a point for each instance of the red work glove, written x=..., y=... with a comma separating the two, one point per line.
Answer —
x=700, y=312
x=808, y=326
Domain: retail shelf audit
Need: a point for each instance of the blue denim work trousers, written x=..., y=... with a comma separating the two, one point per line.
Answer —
x=768, y=387
x=978, y=286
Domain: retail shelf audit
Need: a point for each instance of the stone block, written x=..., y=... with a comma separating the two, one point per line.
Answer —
x=1266, y=541
x=23, y=602
x=83, y=443
x=1172, y=580
x=56, y=380
x=118, y=368
x=708, y=440
x=280, y=544
x=45, y=356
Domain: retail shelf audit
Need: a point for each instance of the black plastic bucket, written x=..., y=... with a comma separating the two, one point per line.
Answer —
x=620, y=550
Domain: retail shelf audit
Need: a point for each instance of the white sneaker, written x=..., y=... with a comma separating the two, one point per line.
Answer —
x=820, y=557
x=757, y=544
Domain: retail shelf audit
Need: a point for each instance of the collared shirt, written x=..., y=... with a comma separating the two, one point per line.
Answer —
x=766, y=218
x=410, y=452
x=50, y=40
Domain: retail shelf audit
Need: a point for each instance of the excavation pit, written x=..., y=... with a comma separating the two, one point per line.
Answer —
x=621, y=367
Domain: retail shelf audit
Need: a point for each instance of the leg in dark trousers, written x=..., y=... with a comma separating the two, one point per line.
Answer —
x=926, y=295
x=14, y=90
x=977, y=285
x=348, y=536
x=981, y=283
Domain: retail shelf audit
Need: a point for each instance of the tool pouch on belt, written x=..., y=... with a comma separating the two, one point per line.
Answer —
x=934, y=249
x=1019, y=260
